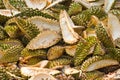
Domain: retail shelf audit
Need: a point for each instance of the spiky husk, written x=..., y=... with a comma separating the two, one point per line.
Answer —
x=60, y=62
x=12, y=30
x=32, y=53
x=97, y=62
x=18, y=4
x=89, y=61
x=27, y=28
x=3, y=34
x=92, y=75
x=11, y=55
x=55, y=52
x=114, y=53
x=74, y=8
x=1, y=5
x=3, y=19
x=84, y=49
x=104, y=36
x=29, y=12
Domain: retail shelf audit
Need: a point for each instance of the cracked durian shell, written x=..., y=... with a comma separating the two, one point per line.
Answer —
x=74, y=8
x=104, y=35
x=32, y=71
x=88, y=4
x=45, y=24
x=29, y=12
x=26, y=53
x=59, y=63
x=44, y=40
x=70, y=50
x=97, y=62
x=14, y=4
x=67, y=25
x=28, y=29
x=55, y=52
x=11, y=55
x=84, y=48
x=42, y=76
x=39, y=4
x=114, y=25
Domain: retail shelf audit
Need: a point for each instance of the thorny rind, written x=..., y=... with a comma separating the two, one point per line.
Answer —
x=78, y=39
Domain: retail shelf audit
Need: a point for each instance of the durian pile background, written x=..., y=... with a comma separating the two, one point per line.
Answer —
x=93, y=54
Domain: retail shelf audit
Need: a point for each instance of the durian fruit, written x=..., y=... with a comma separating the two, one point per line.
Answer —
x=114, y=52
x=12, y=30
x=97, y=62
x=1, y=5
x=3, y=34
x=59, y=63
x=11, y=55
x=28, y=29
x=26, y=53
x=92, y=75
x=14, y=4
x=74, y=8
x=55, y=52
x=84, y=48
x=29, y=12
x=44, y=40
x=43, y=23
x=104, y=35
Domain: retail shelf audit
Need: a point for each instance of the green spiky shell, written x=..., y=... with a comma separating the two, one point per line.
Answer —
x=104, y=36
x=12, y=31
x=81, y=19
x=114, y=53
x=74, y=8
x=55, y=52
x=59, y=62
x=29, y=12
x=89, y=61
x=1, y=5
x=3, y=34
x=27, y=28
x=98, y=50
x=3, y=19
x=33, y=60
x=11, y=55
x=18, y=4
x=32, y=53
x=92, y=75
x=84, y=49
x=115, y=11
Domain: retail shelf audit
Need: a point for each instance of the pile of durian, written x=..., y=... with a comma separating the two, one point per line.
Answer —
x=59, y=39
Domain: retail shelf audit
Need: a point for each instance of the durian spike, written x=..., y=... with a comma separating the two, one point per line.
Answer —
x=88, y=5
x=108, y=4
x=114, y=25
x=3, y=34
x=55, y=52
x=44, y=40
x=39, y=4
x=67, y=25
x=97, y=62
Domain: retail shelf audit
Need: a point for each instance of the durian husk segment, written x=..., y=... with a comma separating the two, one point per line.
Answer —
x=84, y=48
x=96, y=62
x=114, y=25
x=32, y=71
x=44, y=40
x=104, y=35
x=55, y=52
x=45, y=24
x=108, y=5
x=42, y=76
x=68, y=33
x=39, y=4
x=11, y=55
